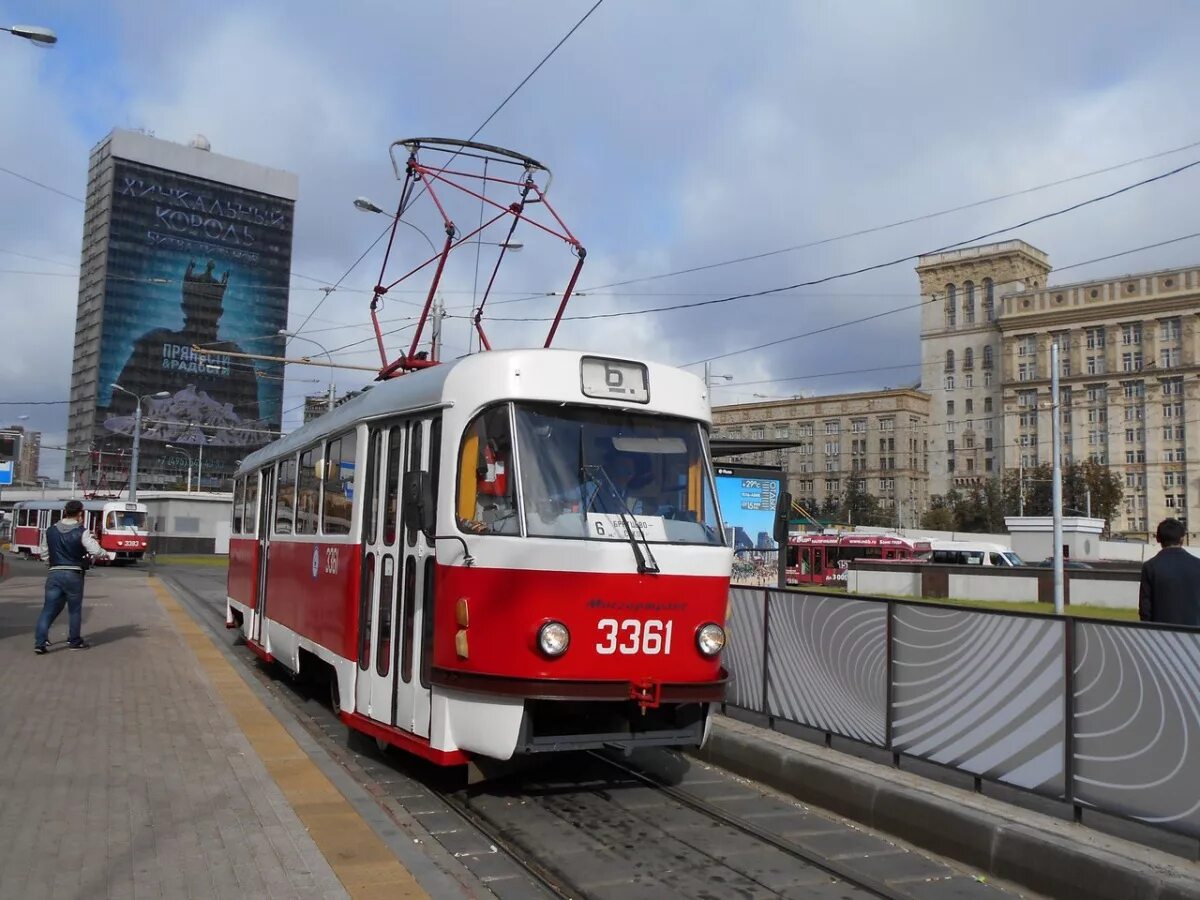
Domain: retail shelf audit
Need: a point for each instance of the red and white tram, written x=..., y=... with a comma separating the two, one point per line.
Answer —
x=513, y=553
x=118, y=525
x=822, y=558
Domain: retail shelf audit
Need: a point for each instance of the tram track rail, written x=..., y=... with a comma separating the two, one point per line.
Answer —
x=505, y=813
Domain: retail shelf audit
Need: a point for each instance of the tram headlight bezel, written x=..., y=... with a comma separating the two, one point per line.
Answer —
x=710, y=639
x=554, y=638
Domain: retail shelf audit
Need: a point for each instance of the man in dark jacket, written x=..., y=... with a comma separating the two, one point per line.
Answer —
x=1170, y=591
x=65, y=547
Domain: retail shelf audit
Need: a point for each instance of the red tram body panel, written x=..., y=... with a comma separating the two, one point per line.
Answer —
x=515, y=553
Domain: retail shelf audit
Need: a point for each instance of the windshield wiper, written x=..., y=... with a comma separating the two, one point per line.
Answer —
x=645, y=560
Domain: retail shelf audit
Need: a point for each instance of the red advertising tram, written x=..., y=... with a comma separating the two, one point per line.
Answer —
x=514, y=553
x=118, y=525
x=822, y=558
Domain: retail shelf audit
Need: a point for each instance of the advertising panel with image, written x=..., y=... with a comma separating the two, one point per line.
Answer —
x=749, y=499
x=193, y=263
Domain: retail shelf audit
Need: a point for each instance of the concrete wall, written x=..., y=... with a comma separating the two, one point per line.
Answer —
x=1114, y=588
x=180, y=522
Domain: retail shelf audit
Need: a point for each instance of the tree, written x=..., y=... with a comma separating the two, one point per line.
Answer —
x=980, y=509
x=1105, y=485
x=939, y=516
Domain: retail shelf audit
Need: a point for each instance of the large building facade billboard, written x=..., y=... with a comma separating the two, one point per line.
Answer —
x=192, y=263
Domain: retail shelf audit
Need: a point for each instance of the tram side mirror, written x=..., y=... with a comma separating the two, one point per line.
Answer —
x=418, y=501
x=783, y=509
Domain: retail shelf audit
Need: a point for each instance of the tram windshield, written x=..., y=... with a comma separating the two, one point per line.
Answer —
x=591, y=473
x=124, y=520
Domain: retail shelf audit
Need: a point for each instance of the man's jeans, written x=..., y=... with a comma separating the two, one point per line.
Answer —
x=63, y=588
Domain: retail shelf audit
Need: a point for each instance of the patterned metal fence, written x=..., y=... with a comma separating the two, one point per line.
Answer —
x=1103, y=715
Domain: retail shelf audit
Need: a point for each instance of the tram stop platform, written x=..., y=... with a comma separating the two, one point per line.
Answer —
x=147, y=766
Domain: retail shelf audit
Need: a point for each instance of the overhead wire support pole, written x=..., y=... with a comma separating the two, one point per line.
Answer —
x=1056, y=485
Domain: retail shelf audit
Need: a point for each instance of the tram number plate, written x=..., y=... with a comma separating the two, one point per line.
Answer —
x=614, y=379
x=632, y=636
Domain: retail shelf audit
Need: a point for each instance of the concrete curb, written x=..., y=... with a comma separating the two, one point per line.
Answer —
x=1038, y=852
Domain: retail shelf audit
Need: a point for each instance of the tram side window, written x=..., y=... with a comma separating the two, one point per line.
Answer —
x=308, y=491
x=339, y=484
x=285, y=496
x=486, y=484
x=239, y=505
x=250, y=519
x=414, y=465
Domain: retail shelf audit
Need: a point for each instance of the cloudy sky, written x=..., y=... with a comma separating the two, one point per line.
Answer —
x=681, y=134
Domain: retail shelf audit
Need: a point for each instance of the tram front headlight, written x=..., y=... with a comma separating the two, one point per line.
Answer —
x=554, y=638
x=710, y=639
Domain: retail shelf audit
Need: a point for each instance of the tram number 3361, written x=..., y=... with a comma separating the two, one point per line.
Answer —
x=631, y=636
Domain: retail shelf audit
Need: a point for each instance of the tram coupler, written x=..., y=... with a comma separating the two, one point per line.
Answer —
x=647, y=693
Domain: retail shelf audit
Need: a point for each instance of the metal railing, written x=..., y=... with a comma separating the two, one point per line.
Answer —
x=1100, y=715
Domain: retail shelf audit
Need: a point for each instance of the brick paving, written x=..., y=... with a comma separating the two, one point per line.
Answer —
x=122, y=772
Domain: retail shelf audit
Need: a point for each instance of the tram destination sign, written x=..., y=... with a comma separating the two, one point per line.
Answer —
x=614, y=379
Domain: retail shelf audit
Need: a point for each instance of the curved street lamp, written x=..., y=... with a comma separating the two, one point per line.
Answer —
x=137, y=433
x=35, y=33
x=292, y=336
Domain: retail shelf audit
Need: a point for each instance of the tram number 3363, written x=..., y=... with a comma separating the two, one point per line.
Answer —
x=631, y=636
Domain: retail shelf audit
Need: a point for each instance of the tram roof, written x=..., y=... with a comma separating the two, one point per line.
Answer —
x=482, y=377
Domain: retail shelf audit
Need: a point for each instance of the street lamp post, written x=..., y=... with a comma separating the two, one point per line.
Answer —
x=291, y=335
x=34, y=33
x=137, y=433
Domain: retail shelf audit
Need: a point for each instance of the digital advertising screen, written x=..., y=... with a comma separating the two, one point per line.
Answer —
x=749, y=498
x=193, y=263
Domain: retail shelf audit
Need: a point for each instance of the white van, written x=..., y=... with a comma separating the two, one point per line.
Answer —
x=973, y=553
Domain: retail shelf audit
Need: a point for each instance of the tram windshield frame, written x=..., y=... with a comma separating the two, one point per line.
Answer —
x=587, y=473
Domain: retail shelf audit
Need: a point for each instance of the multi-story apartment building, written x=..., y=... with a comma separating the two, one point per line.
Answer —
x=960, y=351
x=880, y=438
x=1129, y=357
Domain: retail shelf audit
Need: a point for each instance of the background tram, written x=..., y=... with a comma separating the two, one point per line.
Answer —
x=513, y=553
x=118, y=525
x=822, y=558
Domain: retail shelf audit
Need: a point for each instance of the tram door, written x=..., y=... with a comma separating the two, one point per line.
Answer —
x=389, y=685
x=266, y=516
x=414, y=607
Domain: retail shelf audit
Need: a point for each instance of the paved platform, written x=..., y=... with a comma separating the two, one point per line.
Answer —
x=147, y=767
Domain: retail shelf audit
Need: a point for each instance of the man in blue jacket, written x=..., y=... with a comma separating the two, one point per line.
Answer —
x=66, y=547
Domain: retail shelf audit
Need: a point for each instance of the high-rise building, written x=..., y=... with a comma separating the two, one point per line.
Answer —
x=183, y=250
x=879, y=438
x=960, y=349
x=25, y=449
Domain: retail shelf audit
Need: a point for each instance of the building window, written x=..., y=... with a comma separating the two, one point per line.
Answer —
x=1027, y=345
x=1027, y=372
x=1095, y=365
x=1131, y=333
x=832, y=428
x=1169, y=330
x=970, y=406
x=987, y=356
x=858, y=426
x=987, y=464
x=1172, y=386
x=989, y=300
x=1097, y=393
x=1172, y=410
x=832, y=448
x=805, y=429
x=949, y=382
x=987, y=404
x=968, y=358
x=987, y=379
x=1094, y=338
x=950, y=427
x=987, y=444
x=887, y=424
x=1131, y=361
x=949, y=407
x=1133, y=389
x=949, y=360
x=951, y=299
x=782, y=432
x=969, y=302
x=1168, y=357
x=758, y=432
x=833, y=485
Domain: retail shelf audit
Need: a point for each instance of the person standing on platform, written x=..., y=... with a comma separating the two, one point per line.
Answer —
x=1170, y=592
x=66, y=547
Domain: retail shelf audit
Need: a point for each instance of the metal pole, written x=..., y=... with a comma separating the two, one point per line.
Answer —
x=137, y=438
x=1055, y=432
x=1089, y=503
x=1021, y=487
x=189, y=479
x=439, y=312
x=200, y=469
